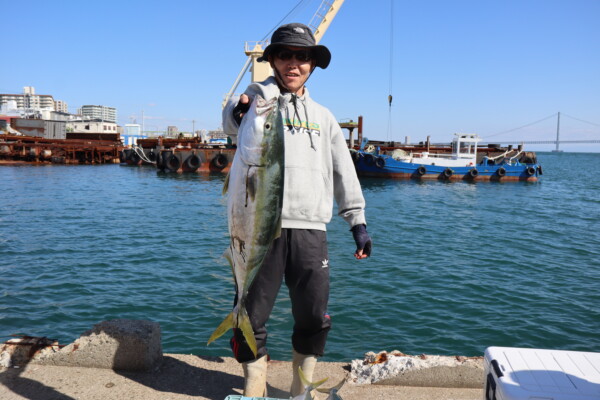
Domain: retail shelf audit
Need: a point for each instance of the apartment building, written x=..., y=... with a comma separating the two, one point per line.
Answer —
x=28, y=100
x=108, y=114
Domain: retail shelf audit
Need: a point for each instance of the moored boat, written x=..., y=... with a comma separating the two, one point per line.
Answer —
x=463, y=162
x=180, y=155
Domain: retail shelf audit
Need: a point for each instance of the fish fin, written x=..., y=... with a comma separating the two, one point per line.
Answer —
x=227, y=255
x=247, y=330
x=226, y=325
x=307, y=383
x=226, y=184
x=336, y=387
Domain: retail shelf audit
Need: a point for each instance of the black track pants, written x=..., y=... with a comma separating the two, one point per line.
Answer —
x=300, y=256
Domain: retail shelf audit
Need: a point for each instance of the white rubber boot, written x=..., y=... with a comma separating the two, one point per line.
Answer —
x=307, y=363
x=255, y=375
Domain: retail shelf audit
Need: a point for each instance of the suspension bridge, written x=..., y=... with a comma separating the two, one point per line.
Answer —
x=556, y=141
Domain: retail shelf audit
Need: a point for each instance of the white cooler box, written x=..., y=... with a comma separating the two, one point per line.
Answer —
x=537, y=374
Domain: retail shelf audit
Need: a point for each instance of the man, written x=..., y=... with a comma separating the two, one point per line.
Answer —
x=318, y=168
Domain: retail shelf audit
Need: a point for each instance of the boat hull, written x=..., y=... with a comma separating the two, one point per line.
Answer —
x=384, y=166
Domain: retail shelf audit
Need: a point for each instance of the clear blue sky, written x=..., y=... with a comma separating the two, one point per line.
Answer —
x=474, y=66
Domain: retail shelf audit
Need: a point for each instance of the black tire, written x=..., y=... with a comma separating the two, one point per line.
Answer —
x=501, y=172
x=192, y=163
x=220, y=161
x=134, y=157
x=173, y=163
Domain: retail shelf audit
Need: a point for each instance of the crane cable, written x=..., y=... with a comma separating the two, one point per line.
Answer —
x=282, y=19
x=391, y=66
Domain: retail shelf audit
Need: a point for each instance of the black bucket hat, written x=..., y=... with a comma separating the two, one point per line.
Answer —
x=297, y=35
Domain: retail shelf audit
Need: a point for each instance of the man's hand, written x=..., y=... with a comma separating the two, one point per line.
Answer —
x=241, y=108
x=363, y=241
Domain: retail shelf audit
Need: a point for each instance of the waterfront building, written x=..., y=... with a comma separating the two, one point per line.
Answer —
x=103, y=113
x=40, y=127
x=61, y=106
x=172, y=131
x=29, y=103
x=29, y=100
x=91, y=126
x=10, y=108
x=131, y=134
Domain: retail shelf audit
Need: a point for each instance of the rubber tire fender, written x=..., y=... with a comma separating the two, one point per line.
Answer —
x=501, y=172
x=220, y=161
x=173, y=163
x=193, y=162
x=134, y=157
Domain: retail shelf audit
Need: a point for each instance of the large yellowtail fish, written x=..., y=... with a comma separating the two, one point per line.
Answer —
x=254, y=190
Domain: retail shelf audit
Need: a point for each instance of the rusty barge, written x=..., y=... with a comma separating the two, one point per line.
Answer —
x=180, y=155
x=75, y=149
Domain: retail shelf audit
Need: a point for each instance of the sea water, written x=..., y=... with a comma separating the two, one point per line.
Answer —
x=456, y=267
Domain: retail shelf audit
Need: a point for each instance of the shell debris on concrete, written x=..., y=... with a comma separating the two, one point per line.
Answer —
x=395, y=367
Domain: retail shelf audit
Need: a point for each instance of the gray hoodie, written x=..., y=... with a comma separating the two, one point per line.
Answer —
x=318, y=166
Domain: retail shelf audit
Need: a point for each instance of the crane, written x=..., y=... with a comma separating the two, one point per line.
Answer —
x=260, y=71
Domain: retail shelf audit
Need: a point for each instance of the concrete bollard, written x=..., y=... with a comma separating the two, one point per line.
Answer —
x=120, y=344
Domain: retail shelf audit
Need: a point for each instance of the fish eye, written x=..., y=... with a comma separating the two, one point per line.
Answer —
x=267, y=126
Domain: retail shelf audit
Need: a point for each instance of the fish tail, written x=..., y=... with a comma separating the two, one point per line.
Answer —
x=335, y=388
x=246, y=327
x=307, y=383
x=226, y=325
x=243, y=323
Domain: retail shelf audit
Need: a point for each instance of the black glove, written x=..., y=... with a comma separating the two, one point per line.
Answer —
x=362, y=239
x=239, y=110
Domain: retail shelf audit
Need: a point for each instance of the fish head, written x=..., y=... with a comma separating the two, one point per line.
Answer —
x=261, y=127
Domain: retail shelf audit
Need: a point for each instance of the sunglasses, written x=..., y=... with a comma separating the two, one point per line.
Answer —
x=299, y=55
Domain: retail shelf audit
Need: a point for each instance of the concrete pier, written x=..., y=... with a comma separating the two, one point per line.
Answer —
x=122, y=359
x=193, y=377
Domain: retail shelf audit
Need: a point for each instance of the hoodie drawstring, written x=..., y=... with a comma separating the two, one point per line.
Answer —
x=294, y=101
